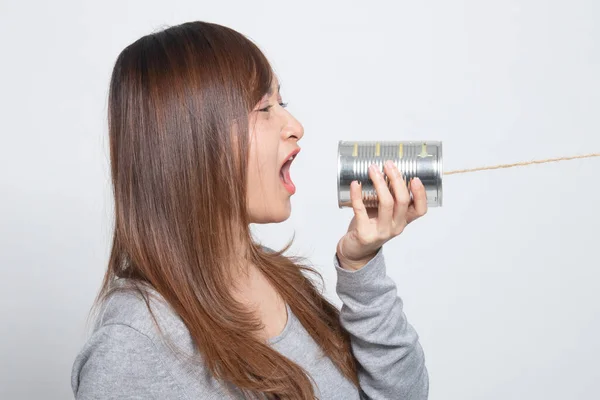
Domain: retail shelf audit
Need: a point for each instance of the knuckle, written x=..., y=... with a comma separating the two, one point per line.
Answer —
x=386, y=202
x=358, y=206
x=404, y=201
x=357, y=203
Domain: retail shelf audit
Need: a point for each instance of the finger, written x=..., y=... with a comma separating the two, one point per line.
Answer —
x=419, y=206
x=360, y=211
x=401, y=193
x=385, y=209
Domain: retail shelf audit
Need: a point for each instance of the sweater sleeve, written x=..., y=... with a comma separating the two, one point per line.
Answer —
x=119, y=362
x=391, y=362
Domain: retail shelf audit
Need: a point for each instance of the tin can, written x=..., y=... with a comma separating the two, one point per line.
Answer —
x=413, y=159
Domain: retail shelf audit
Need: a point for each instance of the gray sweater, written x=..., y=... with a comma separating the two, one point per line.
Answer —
x=125, y=358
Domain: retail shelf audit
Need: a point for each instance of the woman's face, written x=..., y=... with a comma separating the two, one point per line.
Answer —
x=274, y=136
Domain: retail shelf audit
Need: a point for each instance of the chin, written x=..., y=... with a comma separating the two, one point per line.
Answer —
x=280, y=215
x=274, y=215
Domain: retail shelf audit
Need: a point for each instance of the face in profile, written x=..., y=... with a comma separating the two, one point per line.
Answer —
x=274, y=135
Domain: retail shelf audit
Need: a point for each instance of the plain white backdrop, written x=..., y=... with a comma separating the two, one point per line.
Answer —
x=501, y=283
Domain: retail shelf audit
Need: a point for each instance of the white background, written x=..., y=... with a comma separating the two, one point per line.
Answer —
x=502, y=282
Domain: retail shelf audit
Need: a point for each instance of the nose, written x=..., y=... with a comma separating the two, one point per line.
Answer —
x=293, y=129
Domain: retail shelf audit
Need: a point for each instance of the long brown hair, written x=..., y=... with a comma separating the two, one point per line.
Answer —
x=178, y=111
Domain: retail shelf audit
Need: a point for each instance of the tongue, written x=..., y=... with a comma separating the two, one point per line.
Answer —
x=285, y=173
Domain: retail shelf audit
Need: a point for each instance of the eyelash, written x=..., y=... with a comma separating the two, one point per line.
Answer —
x=266, y=109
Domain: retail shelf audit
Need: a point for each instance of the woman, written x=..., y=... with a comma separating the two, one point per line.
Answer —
x=191, y=306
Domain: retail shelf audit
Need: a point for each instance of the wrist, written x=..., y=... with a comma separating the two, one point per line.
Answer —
x=355, y=265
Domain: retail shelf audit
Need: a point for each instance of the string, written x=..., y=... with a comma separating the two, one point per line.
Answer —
x=521, y=164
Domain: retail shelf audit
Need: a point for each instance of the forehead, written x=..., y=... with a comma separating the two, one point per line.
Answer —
x=275, y=87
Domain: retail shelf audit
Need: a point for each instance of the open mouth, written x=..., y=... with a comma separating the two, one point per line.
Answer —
x=284, y=173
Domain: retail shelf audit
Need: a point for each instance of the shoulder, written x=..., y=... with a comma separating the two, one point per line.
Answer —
x=146, y=312
x=126, y=354
x=119, y=362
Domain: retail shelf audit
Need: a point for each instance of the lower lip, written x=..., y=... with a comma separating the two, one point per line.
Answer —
x=290, y=187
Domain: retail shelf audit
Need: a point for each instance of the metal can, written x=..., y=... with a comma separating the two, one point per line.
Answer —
x=413, y=159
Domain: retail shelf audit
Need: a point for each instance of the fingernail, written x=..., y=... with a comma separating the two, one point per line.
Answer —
x=417, y=182
x=390, y=164
x=374, y=167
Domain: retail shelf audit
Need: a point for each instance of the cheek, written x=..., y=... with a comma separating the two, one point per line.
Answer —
x=262, y=167
x=264, y=150
x=265, y=198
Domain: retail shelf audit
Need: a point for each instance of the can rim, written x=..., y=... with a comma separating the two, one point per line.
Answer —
x=339, y=173
x=441, y=175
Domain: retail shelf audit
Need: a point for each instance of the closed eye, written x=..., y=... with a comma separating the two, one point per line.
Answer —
x=267, y=108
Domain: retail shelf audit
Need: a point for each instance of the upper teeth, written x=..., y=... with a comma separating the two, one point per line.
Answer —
x=291, y=158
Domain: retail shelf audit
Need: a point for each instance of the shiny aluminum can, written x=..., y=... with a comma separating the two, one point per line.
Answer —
x=413, y=159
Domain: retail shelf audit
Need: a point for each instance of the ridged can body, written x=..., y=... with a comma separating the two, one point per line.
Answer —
x=413, y=159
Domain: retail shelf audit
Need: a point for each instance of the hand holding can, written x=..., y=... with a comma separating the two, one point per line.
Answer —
x=413, y=159
x=372, y=228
